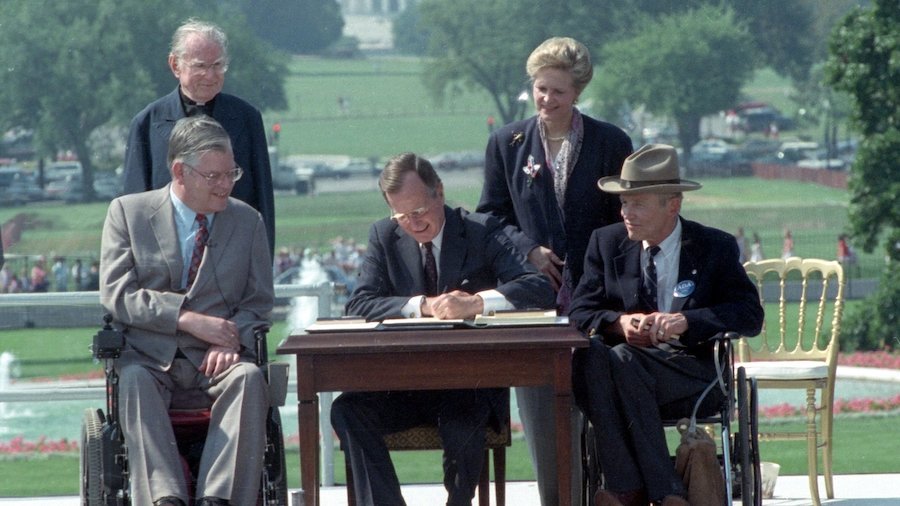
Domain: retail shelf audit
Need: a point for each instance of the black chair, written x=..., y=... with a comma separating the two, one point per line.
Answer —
x=741, y=474
x=104, y=456
x=426, y=437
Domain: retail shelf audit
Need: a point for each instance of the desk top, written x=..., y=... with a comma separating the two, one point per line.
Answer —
x=400, y=341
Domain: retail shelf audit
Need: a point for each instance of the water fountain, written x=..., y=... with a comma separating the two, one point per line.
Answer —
x=6, y=363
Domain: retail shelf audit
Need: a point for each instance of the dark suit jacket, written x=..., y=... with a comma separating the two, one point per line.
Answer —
x=475, y=256
x=530, y=213
x=145, y=165
x=723, y=299
x=140, y=276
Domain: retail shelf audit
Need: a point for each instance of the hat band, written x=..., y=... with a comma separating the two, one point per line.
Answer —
x=628, y=185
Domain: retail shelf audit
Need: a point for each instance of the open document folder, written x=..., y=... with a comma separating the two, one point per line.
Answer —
x=499, y=319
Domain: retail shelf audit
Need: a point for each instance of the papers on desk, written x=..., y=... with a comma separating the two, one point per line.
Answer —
x=516, y=318
x=498, y=319
x=422, y=323
x=341, y=325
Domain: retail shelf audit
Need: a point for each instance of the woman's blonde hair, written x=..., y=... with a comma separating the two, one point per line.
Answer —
x=563, y=53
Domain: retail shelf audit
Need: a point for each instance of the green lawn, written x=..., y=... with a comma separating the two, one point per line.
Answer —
x=858, y=448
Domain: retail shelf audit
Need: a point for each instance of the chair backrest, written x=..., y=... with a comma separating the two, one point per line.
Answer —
x=809, y=295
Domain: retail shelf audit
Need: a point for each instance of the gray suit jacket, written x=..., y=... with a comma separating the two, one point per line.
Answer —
x=140, y=274
x=475, y=256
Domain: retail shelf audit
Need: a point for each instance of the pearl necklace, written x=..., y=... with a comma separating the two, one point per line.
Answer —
x=560, y=138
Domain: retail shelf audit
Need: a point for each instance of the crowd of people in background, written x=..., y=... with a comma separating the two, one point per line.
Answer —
x=37, y=277
x=345, y=254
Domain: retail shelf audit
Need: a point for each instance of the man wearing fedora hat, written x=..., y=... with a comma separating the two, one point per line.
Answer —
x=655, y=289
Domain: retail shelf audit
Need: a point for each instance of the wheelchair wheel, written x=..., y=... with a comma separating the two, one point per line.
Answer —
x=274, y=491
x=592, y=475
x=91, y=462
x=746, y=442
x=754, y=441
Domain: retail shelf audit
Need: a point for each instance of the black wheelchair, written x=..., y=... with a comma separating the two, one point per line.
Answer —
x=104, y=456
x=737, y=451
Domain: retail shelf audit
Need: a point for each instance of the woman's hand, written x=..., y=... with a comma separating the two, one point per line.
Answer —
x=548, y=263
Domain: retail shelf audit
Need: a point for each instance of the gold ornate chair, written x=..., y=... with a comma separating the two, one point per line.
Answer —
x=426, y=437
x=801, y=353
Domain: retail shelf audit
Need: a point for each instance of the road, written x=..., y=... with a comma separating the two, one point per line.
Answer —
x=453, y=179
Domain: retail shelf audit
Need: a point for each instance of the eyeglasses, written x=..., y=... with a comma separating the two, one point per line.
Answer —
x=415, y=214
x=214, y=178
x=198, y=67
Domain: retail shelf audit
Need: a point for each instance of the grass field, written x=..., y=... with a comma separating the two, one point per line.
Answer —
x=859, y=448
x=815, y=215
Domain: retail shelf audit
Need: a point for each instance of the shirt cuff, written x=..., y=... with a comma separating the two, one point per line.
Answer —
x=494, y=301
x=413, y=308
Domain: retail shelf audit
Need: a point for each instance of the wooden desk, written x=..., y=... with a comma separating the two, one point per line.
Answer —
x=426, y=360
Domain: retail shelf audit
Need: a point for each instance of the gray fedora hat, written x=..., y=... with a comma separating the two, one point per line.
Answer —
x=651, y=169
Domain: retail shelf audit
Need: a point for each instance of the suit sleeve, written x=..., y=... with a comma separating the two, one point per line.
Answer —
x=138, y=165
x=374, y=297
x=518, y=280
x=120, y=291
x=592, y=307
x=734, y=302
x=496, y=199
x=262, y=177
x=257, y=299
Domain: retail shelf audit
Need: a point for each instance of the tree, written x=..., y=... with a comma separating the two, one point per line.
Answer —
x=863, y=62
x=683, y=65
x=298, y=26
x=410, y=37
x=72, y=67
x=478, y=44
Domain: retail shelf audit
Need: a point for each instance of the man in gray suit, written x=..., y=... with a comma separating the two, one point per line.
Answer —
x=186, y=271
x=430, y=260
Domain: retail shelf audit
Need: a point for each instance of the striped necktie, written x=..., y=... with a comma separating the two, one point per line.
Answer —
x=650, y=280
x=199, y=248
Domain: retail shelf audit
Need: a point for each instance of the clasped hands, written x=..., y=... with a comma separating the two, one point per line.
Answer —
x=221, y=334
x=453, y=305
x=645, y=330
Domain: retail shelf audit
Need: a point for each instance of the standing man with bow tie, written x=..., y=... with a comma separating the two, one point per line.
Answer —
x=655, y=289
x=199, y=60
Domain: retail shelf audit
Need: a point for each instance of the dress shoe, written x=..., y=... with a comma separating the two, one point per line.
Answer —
x=674, y=500
x=626, y=498
x=168, y=501
x=211, y=501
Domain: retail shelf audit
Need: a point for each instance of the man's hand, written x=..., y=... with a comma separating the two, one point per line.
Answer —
x=651, y=329
x=451, y=305
x=548, y=263
x=217, y=360
x=211, y=329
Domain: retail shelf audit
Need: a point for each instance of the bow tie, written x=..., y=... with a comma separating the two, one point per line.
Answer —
x=193, y=109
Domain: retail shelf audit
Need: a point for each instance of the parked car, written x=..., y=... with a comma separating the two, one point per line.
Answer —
x=26, y=189
x=759, y=117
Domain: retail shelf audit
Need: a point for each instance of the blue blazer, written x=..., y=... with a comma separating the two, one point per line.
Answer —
x=530, y=213
x=723, y=298
x=145, y=165
x=475, y=256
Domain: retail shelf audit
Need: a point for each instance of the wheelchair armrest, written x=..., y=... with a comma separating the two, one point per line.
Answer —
x=277, y=376
x=108, y=341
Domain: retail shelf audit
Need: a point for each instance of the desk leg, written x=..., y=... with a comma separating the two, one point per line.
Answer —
x=308, y=419
x=563, y=390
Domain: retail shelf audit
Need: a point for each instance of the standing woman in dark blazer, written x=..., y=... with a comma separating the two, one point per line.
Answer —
x=541, y=183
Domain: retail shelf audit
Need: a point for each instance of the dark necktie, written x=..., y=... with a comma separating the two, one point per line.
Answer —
x=431, y=277
x=199, y=248
x=650, y=279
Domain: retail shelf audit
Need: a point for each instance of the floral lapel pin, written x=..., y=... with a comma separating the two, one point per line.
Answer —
x=531, y=170
x=517, y=138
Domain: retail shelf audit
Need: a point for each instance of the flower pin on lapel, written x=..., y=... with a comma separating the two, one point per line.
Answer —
x=531, y=170
x=517, y=138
